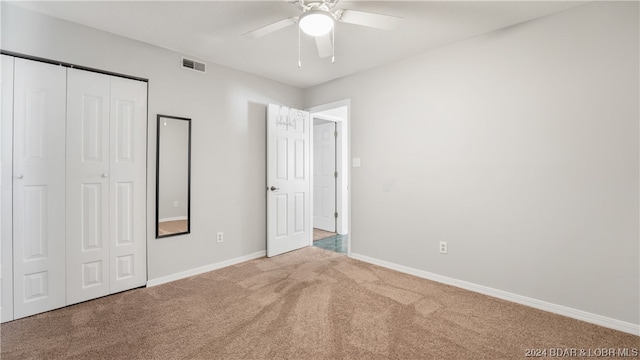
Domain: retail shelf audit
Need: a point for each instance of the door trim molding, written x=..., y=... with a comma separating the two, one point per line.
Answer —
x=346, y=132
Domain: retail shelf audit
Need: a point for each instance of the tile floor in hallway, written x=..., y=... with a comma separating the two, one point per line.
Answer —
x=336, y=243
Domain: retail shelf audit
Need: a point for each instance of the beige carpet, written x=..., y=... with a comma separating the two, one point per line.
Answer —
x=308, y=304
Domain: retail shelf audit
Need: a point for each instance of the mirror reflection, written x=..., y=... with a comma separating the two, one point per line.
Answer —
x=173, y=175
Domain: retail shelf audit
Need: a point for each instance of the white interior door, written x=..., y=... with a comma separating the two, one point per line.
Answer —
x=87, y=185
x=39, y=187
x=288, y=179
x=324, y=176
x=6, y=189
x=127, y=184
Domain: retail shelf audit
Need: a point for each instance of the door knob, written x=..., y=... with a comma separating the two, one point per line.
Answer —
x=104, y=175
x=273, y=188
x=19, y=176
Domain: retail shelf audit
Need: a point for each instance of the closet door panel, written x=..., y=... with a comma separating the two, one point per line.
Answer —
x=127, y=183
x=39, y=187
x=6, y=179
x=87, y=185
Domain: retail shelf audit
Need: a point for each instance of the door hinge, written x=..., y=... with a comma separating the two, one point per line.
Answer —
x=335, y=174
x=335, y=134
x=335, y=215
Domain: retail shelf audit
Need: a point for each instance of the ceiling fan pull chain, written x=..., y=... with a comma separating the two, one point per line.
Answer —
x=333, y=45
x=299, y=61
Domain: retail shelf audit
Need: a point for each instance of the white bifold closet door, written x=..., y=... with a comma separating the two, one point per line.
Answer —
x=6, y=187
x=38, y=187
x=106, y=191
x=78, y=186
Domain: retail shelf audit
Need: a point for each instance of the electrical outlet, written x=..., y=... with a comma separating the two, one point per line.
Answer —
x=220, y=237
x=443, y=247
x=176, y=203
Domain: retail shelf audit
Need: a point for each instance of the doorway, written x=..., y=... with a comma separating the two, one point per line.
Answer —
x=325, y=176
x=330, y=178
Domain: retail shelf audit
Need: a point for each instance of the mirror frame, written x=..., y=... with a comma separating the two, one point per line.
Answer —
x=159, y=120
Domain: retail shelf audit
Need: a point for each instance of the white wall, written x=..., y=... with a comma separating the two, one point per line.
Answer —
x=519, y=148
x=227, y=109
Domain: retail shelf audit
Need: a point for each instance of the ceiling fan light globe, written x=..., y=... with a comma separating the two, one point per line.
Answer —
x=316, y=23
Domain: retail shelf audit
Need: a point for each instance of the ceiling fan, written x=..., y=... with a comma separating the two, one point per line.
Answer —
x=318, y=18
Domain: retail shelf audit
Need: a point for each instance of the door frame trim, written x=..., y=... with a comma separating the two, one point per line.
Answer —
x=344, y=128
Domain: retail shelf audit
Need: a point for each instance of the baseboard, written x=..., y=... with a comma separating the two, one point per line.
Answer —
x=204, y=269
x=519, y=299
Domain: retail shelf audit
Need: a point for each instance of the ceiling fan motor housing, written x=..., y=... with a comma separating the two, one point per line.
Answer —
x=325, y=5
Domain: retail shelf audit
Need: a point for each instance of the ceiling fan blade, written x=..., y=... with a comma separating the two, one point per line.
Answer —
x=379, y=21
x=268, y=29
x=325, y=45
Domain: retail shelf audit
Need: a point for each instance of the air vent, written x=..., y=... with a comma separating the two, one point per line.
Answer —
x=193, y=65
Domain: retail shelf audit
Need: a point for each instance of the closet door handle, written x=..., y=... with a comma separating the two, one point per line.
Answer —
x=19, y=176
x=105, y=175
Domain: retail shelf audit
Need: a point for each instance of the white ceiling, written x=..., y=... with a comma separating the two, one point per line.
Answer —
x=211, y=30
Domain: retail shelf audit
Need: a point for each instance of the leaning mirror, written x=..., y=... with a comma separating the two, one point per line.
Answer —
x=173, y=176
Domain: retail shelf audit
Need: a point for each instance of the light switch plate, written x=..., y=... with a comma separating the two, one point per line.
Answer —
x=356, y=162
